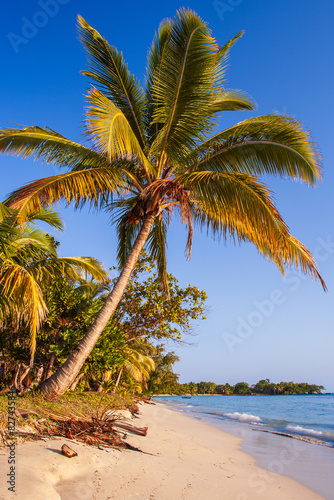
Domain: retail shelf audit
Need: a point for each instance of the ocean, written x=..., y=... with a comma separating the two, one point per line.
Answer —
x=304, y=453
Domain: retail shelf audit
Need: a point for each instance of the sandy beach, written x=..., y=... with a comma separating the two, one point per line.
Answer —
x=184, y=459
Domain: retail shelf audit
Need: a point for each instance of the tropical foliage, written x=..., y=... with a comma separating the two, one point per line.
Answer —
x=28, y=264
x=152, y=154
x=124, y=356
x=163, y=380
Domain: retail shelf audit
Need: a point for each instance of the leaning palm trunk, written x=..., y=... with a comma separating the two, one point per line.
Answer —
x=63, y=378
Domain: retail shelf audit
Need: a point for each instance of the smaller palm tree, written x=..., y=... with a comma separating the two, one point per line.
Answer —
x=138, y=366
x=29, y=260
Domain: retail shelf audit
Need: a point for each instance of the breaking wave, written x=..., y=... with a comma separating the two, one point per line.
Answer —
x=298, y=429
x=243, y=417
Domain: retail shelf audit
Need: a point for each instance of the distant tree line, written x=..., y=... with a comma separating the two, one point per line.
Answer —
x=169, y=384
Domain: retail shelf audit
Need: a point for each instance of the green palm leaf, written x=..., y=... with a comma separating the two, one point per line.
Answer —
x=109, y=71
x=151, y=155
x=223, y=52
x=232, y=100
x=4, y=211
x=73, y=267
x=159, y=43
x=183, y=88
x=270, y=144
x=127, y=229
x=157, y=246
x=49, y=216
x=49, y=146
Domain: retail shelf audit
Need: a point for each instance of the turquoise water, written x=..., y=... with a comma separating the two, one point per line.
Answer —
x=311, y=416
x=308, y=417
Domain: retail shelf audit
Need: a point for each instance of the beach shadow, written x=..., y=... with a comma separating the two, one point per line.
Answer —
x=55, y=450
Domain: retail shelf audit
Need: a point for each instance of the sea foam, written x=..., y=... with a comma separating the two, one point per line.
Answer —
x=243, y=417
x=298, y=429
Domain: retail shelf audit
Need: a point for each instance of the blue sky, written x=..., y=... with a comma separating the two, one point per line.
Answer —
x=260, y=325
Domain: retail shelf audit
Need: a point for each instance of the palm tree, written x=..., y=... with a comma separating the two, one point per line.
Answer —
x=152, y=154
x=138, y=366
x=29, y=260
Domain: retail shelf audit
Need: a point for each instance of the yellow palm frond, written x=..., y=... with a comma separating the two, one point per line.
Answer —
x=93, y=186
x=21, y=289
x=107, y=126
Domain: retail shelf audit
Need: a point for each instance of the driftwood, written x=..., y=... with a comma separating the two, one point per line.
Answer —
x=103, y=430
x=68, y=452
x=26, y=370
x=94, y=431
x=140, y=431
x=25, y=413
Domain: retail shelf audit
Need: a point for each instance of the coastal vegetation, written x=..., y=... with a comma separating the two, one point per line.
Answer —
x=125, y=355
x=164, y=381
x=264, y=387
x=152, y=153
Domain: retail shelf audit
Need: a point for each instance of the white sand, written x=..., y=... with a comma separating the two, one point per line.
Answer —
x=184, y=459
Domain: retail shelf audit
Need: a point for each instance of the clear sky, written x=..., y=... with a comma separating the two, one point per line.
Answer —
x=260, y=325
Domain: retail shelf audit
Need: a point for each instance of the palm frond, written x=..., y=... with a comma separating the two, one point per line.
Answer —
x=153, y=67
x=240, y=206
x=269, y=144
x=49, y=216
x=4, y=211
x=232, y=100
x=139, y=366
x=183, y=88
x=167, y=194
x=94, y=186
x=21, y=289
x=108, y=70
x=223, y=52
x=227, y=200
x=32, y=239
x=133, y=370
x=49, y=146
x=91, y=289
x=127, y=229
x=110, y=131
x=7, y=233
x=295, y=255
x=157, y=246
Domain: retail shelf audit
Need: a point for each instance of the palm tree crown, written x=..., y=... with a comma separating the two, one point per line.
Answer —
x=151, y=152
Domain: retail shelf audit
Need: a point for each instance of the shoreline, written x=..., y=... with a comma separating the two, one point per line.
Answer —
x=306, y=460
x=183, y=458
